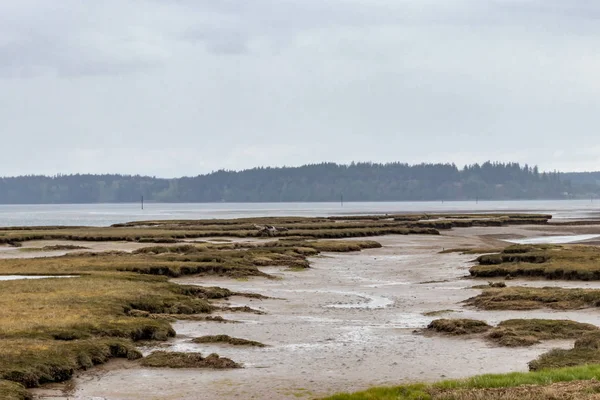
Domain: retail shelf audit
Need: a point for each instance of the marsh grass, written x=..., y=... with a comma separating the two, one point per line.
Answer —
x=165, y=359
x=58, y=247
x=50, y=328
x=472, y=250
x=531, y=298
x=226, y=339
x=458, y=326
x=13, y=391
x=586, y=350
x=436, y=313
x=516, y=332
x=235, y=261
x=99, y=305
x=578, y=262
x=34, y=362
x=172, y=234
x=527, y=332
x=335, y=227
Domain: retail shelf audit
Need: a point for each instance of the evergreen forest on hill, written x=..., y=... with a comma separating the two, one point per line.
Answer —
x=310, y=183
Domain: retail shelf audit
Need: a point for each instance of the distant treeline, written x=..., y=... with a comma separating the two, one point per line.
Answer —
x=318, y=182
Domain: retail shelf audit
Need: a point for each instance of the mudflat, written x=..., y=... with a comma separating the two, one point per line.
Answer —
x=349, y=322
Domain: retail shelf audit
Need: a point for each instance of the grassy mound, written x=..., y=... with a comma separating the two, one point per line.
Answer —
x=458, y=326
x=578, y=262
x=165, y=359
x=228, y=340
x=585, y=351
x=32, y=363
x=516, y=332
x=49, y=328
x=527, y=332
x=13, y=391
x=529, y=298
x=98, y=305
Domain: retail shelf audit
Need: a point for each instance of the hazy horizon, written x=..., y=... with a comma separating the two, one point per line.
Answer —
x=163, y=88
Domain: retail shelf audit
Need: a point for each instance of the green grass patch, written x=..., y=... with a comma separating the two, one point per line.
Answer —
x=479, y=387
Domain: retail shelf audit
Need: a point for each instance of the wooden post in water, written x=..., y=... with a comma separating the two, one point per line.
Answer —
x=342, y=199
x=142, y=202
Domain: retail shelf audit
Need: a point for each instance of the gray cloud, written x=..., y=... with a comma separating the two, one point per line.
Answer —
x=184, y=87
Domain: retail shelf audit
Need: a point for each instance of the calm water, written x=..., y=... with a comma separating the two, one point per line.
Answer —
x=107, y=214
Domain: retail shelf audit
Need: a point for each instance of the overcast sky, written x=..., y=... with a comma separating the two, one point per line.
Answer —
x=182, y=87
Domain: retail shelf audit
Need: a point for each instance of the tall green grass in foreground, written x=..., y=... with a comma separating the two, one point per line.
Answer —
x=437, y=390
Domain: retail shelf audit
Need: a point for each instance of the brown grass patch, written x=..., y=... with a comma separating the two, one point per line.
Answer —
x=578, y=262
x=578, y=390
x=529, y=298
x=227, y=340
x=165, y=359
x=515, y=332
x=13, y=391
x=527, y=332
x=458, y=326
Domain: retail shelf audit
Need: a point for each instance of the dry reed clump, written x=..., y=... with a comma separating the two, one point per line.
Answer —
x=577, y=262
x=531, y=298
x=164, y=359
x=227, y=340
